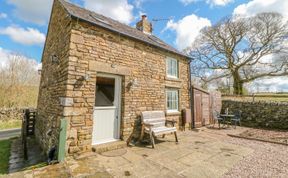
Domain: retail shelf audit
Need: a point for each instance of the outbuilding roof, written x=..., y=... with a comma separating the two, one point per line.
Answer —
x=115, y=26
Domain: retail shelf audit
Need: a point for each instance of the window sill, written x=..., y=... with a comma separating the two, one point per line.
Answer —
x=173, y=113
x=173, y=79
x=173, y=86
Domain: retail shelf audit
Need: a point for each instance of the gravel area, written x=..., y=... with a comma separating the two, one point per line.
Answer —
x=267, y=161
x=270, y=135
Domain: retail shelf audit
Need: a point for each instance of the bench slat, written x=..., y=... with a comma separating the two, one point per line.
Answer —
x=157, y=120
x=163, y=130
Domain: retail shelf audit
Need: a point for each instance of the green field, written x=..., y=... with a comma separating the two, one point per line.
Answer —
x=258, y=97
x=4, y=156
x=11, y=124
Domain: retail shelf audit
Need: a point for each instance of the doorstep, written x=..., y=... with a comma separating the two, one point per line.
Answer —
x=109, y=146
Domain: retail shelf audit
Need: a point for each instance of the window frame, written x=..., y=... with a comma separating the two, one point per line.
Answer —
x=177, y=100
x=168, y=60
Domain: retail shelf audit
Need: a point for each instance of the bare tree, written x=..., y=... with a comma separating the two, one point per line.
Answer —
x=19, y=82
x=242, y=48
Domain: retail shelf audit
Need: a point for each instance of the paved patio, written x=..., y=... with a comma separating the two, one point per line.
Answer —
x=200, y=153
x=194, y=156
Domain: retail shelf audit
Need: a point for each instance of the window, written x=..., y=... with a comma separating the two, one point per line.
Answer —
x=172, y=68
x=172, y=100
x=105, y=89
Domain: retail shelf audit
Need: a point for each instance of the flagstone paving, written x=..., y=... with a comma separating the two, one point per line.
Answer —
x=199, y=153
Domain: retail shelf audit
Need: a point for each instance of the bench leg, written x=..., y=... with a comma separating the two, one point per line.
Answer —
x=142, y=133
x=175, y=133
x=152, y=139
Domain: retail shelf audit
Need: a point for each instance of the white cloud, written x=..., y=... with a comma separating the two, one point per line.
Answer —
x=39, y=66
x=187, y=29
x=119, y=10
x=186, y=2
x=38, y=11
x=6, y=55
x=3, y=15
x=138, y=3
x=35, y=11
x=29, y=36
x=210, y=2
x=257, y=6
x=218, y=2
x=275, y=84
x=3, y=57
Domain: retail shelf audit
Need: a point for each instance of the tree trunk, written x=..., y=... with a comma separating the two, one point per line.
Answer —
x=237, y=84
x=238, y=88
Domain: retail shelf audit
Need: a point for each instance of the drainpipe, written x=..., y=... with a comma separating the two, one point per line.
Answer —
x=191, y=96
x=62, y=140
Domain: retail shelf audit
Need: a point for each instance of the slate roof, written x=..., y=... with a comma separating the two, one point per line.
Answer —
x=115, y=26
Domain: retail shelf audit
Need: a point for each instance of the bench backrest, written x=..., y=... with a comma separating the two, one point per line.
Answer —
x=157, y=118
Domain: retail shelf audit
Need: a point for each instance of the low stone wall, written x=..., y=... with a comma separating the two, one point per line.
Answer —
x=260, y=114
x=11, y=114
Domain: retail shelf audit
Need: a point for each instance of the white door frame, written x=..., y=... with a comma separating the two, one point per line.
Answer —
x=117, y=103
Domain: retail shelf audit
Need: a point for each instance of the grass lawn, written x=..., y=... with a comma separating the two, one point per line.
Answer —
x=4, y=156
x=10, y=124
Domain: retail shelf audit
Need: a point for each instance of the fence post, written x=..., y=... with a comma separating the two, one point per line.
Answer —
x=24, y=133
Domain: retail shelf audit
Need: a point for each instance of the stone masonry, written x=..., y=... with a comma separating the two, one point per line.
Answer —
x=260, y=114
x=7, y=114
x=86, y=49
x=54, y=77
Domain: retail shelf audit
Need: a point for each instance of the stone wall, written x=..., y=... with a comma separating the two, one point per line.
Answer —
x=216, y=101
x=53, y=78
x=7, y=114
x=260, y=114
x=85, y=50
x=93, y=50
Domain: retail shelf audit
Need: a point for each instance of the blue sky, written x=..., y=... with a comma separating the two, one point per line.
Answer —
x=153, y=8
x=24, y=23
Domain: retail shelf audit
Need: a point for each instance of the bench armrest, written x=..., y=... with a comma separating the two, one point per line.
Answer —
x=171, y=122
x=147, y=124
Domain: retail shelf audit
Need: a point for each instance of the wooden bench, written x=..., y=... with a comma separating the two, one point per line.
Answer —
x=154, y=123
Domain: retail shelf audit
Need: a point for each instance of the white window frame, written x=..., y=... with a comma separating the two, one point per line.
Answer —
x=169, y=63
x=176, y=99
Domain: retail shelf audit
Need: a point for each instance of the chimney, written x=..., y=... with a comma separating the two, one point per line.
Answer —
x=144, y=25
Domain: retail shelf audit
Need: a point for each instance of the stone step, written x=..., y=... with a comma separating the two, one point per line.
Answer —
x=109, y=146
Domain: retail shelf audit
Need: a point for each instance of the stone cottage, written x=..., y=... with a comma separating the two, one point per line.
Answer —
x=99, y=74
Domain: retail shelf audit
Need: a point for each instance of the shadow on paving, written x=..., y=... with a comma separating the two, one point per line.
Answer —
x=36, y=158
x=198, y=154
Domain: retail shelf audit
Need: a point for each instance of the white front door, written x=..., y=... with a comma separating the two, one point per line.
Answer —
x=106, y=116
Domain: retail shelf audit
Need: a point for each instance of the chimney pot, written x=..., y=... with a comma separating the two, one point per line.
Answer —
x=144, y=16
x=144, y=25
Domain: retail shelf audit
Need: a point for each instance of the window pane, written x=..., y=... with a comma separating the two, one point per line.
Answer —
x=105, y=88
x=172, y=99
x=172, y=67
x=175, y=68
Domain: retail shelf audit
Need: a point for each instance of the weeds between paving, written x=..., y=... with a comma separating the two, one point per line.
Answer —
x=4, y=156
